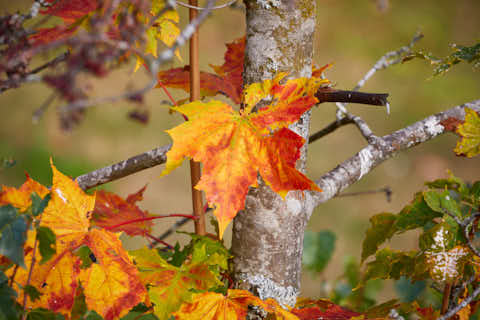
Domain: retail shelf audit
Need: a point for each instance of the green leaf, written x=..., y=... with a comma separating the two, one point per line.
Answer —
x=408, y=290
x=441, y=202
x=382, y=228
x=8, y=298
x=85, y=254
x=46, y=243
x=136, y=315
x=318, y=249
x=92, y=315
x=44, y=314
x=13, y=230
x=207, y=250
x=469, y=144
x=32, y=292
x=390, y=264
x=39, y=204
x=461, y=54
x=441, y=237
x=415, y=215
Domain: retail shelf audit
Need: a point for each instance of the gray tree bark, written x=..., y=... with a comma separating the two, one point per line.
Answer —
x=268, y=236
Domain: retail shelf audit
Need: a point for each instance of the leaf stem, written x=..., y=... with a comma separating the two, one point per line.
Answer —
x=157, y=240
x=150, y=218
x=29, y=278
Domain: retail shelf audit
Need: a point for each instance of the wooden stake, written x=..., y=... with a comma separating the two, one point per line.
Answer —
x=195, y=170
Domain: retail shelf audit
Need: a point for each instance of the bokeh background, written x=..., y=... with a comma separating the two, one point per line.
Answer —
x=352, y=34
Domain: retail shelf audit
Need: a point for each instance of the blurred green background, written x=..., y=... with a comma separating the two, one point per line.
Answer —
x=352, y=34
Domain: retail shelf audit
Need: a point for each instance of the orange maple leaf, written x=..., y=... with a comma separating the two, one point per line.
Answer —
x=112, y=212
x=227, y=79
x=57, y=280
x=21, y=198
x=234, y=146
x=233, y=306
x=111, y=284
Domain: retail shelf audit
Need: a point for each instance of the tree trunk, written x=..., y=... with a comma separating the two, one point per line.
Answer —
x=268, y=236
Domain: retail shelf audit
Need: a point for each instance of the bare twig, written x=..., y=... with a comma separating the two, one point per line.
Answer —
x=386, y=190
x=51, y=63
x=387, y=60
x=346, y=117
x=330, y=128
x=460, y=289
x=38, y=113
x=461, y=305
x=465, y=225
x=29, y=278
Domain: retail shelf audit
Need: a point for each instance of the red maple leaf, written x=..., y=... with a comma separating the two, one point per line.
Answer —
x=226, y=80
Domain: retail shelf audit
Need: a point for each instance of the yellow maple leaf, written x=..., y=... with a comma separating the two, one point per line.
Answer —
x=21, y=198
x=469, y=145
x=233, y=146
x=57, y=280
x=233, y=306
x=111, y=284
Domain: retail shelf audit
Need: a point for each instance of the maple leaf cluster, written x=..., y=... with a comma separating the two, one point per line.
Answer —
x=67, y=256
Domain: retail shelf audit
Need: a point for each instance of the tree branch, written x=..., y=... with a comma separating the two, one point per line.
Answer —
x=383, y=148
x=124, y=168
x=344, y=96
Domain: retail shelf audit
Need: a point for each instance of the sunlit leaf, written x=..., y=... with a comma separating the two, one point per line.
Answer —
x=469, y=145
x=21, y=198
x=226, y=80
x=116, y=214
x=233, y=306
x=111, y=285
x=234, y=146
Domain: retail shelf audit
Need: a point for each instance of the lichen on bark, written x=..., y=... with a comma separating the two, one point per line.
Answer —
x=268, y=236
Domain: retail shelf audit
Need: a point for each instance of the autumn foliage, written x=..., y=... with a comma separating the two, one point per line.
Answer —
x=61, y=255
